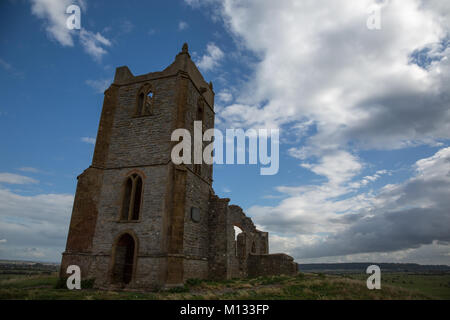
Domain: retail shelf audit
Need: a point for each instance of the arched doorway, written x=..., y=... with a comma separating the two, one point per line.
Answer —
x=123, y=259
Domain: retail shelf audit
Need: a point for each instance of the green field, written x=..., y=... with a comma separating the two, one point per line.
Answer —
x=303, y=286
x=433, y=285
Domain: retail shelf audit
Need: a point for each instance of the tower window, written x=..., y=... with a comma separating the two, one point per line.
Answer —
x=140, y=107
x=199, y=115
x=131, y=200
x=126, y=199
x=148, y=103
x=144, y=101
x=137, y=199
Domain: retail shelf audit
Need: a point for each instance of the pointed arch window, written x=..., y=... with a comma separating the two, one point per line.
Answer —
x=132, y=198
x=144, y=101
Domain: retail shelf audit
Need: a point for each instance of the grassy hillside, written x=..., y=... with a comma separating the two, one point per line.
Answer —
x=357, y=267
x=303, y=286
x=433, y=285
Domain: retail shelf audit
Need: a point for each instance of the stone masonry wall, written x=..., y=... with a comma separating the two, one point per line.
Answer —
x=218, y=244
x=198, y=189
x=149, y=229
x=196, y=234
x=230, y=258
x=143, y=140
x=271, y=264
x=193, y=97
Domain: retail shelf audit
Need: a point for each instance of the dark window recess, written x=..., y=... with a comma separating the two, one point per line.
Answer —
x=137, y=199
x=126, y=199
x=195, y=214
x=140, y=105
x=132, y=198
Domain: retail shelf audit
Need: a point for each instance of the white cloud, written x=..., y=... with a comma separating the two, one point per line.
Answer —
x=369, y=179
x=319, y=61
x=3, y=241
x=88, y=140
x=182, y=25
x=45, y=207
x=53, y=12
x=435, y=167
x=12, y=178
x=194, y=3
x=211, y=59
x=94, y=43
x=29, y=169
x=403, y=216
x=99, y=85
x=337, y=167
x=225, y=96
x=35, y=226
x=310, y=209
x=33, y=253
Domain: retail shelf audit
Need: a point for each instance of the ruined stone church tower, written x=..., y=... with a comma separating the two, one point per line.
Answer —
x=139, y=220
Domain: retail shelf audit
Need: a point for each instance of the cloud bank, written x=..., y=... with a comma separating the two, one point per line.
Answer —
x=341, y=88
x=33, y=227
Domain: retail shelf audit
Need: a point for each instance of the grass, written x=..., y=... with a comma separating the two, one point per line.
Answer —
x=436, y=286
x=303, y=286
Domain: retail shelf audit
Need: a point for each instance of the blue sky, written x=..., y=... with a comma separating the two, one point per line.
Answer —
x=363, y=116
